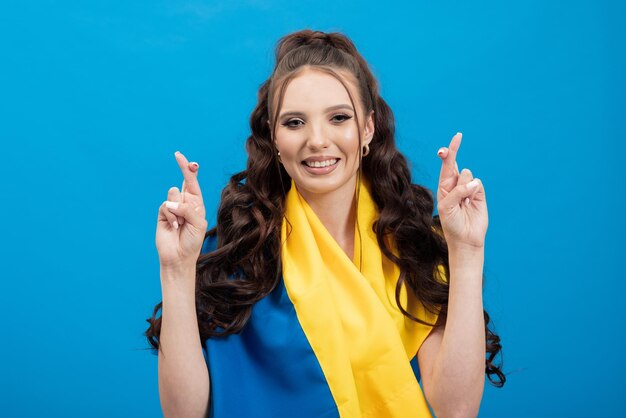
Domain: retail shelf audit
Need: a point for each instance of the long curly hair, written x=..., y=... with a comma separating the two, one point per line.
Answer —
x=246, y=265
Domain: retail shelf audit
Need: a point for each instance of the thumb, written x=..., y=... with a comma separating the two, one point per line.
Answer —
x=188, y=212
x=173, y=195
x=458, y=194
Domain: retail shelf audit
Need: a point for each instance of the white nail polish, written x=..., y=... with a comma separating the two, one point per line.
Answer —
x=171, y=205
x=175, y=224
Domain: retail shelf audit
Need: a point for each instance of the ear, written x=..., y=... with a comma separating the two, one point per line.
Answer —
x=369, y=128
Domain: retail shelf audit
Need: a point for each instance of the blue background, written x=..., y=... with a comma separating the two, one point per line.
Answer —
x=95, y=97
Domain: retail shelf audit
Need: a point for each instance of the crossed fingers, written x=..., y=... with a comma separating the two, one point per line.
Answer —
x=190, y=189
x=449, y=174
x=190, y=178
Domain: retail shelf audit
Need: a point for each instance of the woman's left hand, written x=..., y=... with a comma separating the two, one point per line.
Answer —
x=461, y=201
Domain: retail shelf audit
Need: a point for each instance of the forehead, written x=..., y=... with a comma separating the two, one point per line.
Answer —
x=315, y=88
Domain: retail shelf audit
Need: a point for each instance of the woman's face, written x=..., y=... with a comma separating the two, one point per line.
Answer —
x=317, y=135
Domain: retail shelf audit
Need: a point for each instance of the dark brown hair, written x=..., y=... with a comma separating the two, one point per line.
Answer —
x=246, y=265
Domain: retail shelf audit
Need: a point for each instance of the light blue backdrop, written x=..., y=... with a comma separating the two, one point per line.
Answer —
x=95, y=97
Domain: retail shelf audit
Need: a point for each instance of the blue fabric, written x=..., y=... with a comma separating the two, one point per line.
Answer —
x=416, y=369
x=209, y=244
x=269, y=368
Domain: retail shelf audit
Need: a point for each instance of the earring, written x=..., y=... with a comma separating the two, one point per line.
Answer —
x=279, y=160
x=366, y=150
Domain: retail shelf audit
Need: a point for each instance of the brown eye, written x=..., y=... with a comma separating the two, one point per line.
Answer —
x=292, y=123
x=341, y=118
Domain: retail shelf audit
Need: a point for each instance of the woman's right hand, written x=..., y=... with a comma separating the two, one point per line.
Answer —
x=181, y=223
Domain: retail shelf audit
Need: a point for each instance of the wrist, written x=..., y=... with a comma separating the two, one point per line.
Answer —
x=465, y=249
x=178, y=273
x=466, y=257
x=178, y=287
x=172, y=271
x=178, y=293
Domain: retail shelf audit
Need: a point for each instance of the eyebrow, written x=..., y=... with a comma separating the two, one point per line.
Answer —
x=328, y=109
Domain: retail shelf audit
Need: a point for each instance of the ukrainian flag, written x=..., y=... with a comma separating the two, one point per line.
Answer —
x=329, y=341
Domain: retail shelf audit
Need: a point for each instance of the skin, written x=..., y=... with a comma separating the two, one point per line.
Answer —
x=184, y=382
x=452, y=357
x=318, y=131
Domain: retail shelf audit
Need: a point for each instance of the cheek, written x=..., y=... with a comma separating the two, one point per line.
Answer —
x=288, y=143
x=350, y=142
x=289, y=154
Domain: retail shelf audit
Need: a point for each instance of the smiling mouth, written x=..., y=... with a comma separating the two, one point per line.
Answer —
x=321, y=164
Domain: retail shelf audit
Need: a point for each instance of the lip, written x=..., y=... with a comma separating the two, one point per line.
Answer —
x=320, y=170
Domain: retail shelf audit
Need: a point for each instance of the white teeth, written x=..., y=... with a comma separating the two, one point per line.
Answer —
x=321, y=163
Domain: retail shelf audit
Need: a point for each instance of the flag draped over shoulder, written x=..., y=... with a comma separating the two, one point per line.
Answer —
x=348, y=312
x=330, y=340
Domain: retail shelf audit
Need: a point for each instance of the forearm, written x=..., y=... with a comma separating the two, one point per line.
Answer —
x=183, y=374
x=459, y=369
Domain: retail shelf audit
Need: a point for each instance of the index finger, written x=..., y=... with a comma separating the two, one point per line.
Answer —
x=449, y=166
x=190, y=179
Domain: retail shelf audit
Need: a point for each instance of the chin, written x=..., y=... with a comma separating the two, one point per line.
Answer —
x=321, y=186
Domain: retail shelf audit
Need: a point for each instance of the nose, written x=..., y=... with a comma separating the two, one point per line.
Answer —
x=317, y=137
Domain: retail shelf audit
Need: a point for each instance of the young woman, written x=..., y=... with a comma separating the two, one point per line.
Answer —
x=327, y=287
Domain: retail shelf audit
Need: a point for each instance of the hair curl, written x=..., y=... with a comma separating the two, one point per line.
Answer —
x=246, y=266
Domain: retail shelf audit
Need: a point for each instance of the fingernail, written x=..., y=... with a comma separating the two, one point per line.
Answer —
x=171, y=205
x=459, y=133
x=195, y=166
x=177, y=152
x=175, y=224
x=467, y=201
x=472, y=184
x=441, y=150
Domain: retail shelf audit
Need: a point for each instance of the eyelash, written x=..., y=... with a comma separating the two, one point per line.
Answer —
x=287, y=123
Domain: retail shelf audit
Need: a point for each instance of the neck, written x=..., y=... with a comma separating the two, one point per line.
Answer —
x=337, y=213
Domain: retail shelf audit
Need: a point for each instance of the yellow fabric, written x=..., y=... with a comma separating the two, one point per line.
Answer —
x=362, y=341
